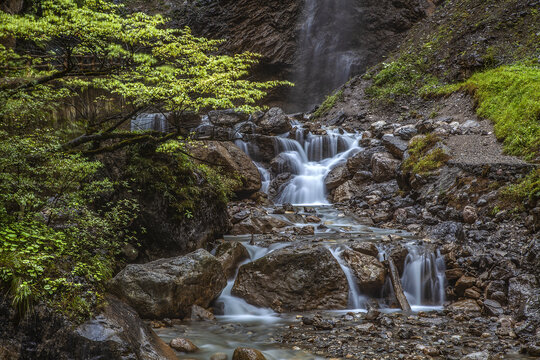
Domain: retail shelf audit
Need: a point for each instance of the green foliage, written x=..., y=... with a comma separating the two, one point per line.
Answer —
x=527, y=188
x=424, y=156
x=328, y=104
x=510, y=97
x=73, y=48
x=58, y=240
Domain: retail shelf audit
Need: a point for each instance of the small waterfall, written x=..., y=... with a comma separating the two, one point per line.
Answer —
x=356, y=300
x=150, y=121
x=423, y=278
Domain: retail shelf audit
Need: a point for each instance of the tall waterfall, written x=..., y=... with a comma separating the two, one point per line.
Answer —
x=325, y=57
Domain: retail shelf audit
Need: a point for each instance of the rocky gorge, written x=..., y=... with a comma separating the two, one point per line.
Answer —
x=357, y=228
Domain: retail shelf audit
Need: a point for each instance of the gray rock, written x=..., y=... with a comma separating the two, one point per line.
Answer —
x=480, y=355
x=230, y=254
x=383, y=167
x=346, y=191
x=395, y=145
x=336, y=177
x=168, y=287
x=284, y=280
x=406, y=132
x=226, y=118
x=520, y=289
x=275, y=122
x=369, y=272
x=183, y=345
x=492, y=308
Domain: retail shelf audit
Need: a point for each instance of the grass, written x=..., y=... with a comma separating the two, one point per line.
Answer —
x=510, y=97
x=528, y=189
x=424, y=156
x=328, y=104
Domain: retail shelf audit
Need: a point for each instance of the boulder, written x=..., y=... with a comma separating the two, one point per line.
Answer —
x=285, y=163
x=261, y=224
x=274, y=122
x=243, y=353
x=226, y=118
x=336, y=177
x=362, y=159
x=233, y=161
x=366, y=248
x=406, y=132
x=168, y=287
x=492, y=308
x=183, y=345
x=197, y=313
x=230, y=254
x=395, y=145
x=346, y=191
x=383, y=166
x=463, y=284
x=465, y=306
x=294, y=279
x=369, y=272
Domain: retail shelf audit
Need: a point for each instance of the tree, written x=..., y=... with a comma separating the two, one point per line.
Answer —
x=66, y=49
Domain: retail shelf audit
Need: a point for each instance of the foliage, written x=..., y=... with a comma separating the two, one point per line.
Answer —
x=510, y=97
x=527, y=188
x=67, y=50
x=425, y=156
x=57, y=243
x=328, y=104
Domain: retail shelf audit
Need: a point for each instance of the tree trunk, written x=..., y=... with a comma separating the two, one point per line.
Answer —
x=396, y=284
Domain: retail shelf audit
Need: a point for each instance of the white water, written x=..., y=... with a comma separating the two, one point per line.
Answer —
x=357, y=301
x=150, y=121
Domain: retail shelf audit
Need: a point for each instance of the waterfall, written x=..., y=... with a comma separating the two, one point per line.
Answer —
x=356, y=300
x=326, y=55
x=150, y=121
x=423, y=276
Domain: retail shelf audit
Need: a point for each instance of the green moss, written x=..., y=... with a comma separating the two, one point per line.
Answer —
x=328, y=104
x=424, y=157
x=527, y=188
x=510, y=97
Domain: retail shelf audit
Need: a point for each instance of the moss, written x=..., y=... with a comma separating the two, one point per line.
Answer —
x=328, y=104
x=527, y=189
x=510, y=97
x=424, y=156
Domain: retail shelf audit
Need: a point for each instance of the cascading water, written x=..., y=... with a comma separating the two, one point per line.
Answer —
x=326, y=55
x=150, y=121
x=423, y=278
x=356, y=300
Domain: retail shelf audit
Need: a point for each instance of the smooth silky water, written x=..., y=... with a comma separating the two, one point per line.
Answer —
x=311, y=158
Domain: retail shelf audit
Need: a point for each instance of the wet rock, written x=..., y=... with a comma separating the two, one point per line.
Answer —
x=336, y=177
x=197, y=313
x=480, y=355
x=366, y=248
x=369, y=272
x=240, y=215
x=469, y=214
x=230, y=254
x=313, y=219
x=294, y=279
x=453, y=274
x=233, y=161
x=362, y=176
x=448, y=231
x=383, y=166
x=226, y=118
x=520, y=289
x=399, y=254
x=260, y=224
x=362, y=159
x=492, y=308
x=395, y=145
x=283, y=163
x=274, y=122
x=472, y=294
x=347, y=191
x=464, y=283
x=467, y=305
x=219, y=356
x=243, y=353
x=365, y=328
x=183, y=345
x=304, y=230
x=168, y=287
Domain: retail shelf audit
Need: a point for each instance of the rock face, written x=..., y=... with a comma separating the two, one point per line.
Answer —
x=233, y=161
x=294, y=279
x=168, y=287
x=369, y=272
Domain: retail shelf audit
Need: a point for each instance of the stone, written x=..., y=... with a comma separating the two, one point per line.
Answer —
x=230, y=255
x=219, y=356
x=406, y=132
x=258, y=224
x=304, y=230
x=383, y=167
x=365, y=328
x=313, y=219
x=364, y=247
x=453, y=274
x=336, y=177
x=395, y=145
x=243, y=353
x=284, y=280
x=169, y=287
x=346, y=191
x=284, y=163
x=226, y=118
x=369, y=272
x=492, y=308
x=183, y=345
x=362, y=159
x=239, y=216
x=464, y=283
x=520, y=289
x=232, y=161
x=466, y=306
x=362, y=176
x=197, y=313
x=448, y=231
x=472, y=294
x=274, y=122
x=469, y=214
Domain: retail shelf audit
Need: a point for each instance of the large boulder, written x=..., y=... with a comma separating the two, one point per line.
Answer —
x=369, y=272
x=233, y=161
x=274, y=122
x=294, y=279
x=168, y=287
x=362, y=159
x=383, y=166
x=336, y=177
x=395, y=145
